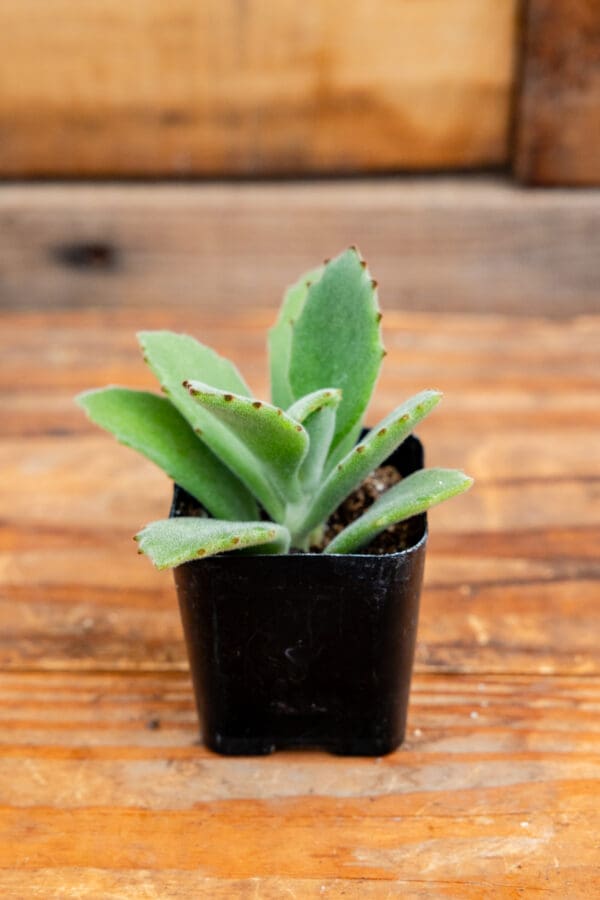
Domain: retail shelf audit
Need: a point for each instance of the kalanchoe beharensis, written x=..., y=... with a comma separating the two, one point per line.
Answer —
x=295, y=459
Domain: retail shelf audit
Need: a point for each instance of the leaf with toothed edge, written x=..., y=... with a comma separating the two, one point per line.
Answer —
x=280, y=337
x=317, y=412
x=277, y=442
x=175, y=358
x=374, y=448
x=413, y=495
x=171, y=542
x=336, y=340
x=151, y=425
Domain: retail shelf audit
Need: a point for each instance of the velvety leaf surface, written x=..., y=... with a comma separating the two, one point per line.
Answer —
x=171, y=542
x=170, y=354
x=364, y=458
x=317, y=412
x=277, y=442
x=336, y=340
x=151, y=425
x=175, y=358
x=280, y=337
x=411, y=496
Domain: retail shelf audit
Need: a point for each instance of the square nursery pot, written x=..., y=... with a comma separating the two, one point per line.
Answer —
x=304, y=650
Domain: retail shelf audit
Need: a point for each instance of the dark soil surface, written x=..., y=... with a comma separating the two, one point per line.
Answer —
x=389, y=541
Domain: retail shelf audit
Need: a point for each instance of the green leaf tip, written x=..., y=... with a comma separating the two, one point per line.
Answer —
x=336, y=339
x=172, y=542
x=411, y=496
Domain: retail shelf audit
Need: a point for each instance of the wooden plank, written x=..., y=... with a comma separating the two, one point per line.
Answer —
x=147, y=88
x=174, y=884
x=105, y=789
x=508, y=562
x=449, y=245
x=558, y=111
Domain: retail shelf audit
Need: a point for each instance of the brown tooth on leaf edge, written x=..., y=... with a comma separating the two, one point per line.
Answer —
x=228, y=397
x=235, y=540
x=379, y=317
x=381, y=432
x=360, y=448
x=298, y=427
x=326, y=261
x=257, y=404
x=201, y=551
x=374, y=283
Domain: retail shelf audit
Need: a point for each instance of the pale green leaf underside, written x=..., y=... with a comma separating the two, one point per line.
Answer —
x=413, y=495
x=375, y=447
x=312, y=403
x=151, y=425
x=317, y=412
x=336, y=340
x=277, y=442
x=171, y=542
x=175, y=358
x=280, y=337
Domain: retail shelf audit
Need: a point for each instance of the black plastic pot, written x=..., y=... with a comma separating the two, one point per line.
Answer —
x=304, y=650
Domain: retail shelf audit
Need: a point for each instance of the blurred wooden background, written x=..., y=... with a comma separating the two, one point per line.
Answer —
x=250, y=87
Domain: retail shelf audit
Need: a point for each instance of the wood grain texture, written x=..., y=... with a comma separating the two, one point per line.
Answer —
x=558, y=109
x=448, y=245
x=222, y=87
x=105, y=792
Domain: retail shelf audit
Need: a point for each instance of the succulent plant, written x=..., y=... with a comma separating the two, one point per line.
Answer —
x=269, y=475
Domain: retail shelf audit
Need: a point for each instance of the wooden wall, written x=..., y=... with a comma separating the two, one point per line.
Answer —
x=558, y=128
x=457, y=244
x=154, y=88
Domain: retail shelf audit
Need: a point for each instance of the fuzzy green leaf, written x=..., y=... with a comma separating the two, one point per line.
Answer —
x=175, y=358
x=166, y=351
x=280, y=337
x=317, y=412
x=336, y=340
x=151, y=425
x=277, y=442
x=375, y=447
x=171, y=542
x=413, y=495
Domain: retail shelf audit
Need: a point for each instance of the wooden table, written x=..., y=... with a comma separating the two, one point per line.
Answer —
x=105, y=791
